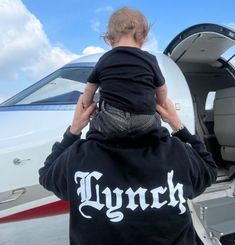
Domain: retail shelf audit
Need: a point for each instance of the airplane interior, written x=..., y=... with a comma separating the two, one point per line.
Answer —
x=211, y=81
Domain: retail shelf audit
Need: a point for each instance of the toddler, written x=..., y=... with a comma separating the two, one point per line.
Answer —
x=129, y=79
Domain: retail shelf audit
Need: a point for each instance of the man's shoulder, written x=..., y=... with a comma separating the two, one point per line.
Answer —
x=155, y=137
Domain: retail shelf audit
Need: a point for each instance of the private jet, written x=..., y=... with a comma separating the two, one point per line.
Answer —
x=201, y=83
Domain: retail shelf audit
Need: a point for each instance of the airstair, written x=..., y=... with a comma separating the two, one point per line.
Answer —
x=218, y=217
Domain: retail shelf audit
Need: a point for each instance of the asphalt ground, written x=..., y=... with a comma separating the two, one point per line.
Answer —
x=43, y=231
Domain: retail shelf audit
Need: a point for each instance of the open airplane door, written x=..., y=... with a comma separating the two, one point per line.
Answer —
x=200, y=51
x=203, y=43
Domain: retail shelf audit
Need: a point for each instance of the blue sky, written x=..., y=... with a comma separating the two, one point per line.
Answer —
x=40, y=36
x=70, y=22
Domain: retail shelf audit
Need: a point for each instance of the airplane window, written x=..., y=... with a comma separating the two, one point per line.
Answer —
x=210, y=100
x=232, y=61
x=65, y=88
x=229, y=56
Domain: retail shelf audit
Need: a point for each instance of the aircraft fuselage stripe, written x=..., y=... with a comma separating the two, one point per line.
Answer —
x=55, y=208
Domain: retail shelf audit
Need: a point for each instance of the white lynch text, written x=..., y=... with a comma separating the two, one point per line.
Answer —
x=113, y=211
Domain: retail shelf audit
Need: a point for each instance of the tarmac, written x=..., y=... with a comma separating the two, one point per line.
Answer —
x=52, y=230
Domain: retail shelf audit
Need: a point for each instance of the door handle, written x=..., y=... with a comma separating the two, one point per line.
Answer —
x=18, y=161
x=14, y=195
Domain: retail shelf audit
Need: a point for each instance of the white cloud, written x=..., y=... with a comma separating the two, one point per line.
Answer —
x=49, y=59
x=92, y=50
x=104, y=9
x=26, y=52
x=151, y=43
x=24, y=44
x=95, y=25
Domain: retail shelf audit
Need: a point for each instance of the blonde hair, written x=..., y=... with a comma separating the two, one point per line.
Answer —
x=126, y=22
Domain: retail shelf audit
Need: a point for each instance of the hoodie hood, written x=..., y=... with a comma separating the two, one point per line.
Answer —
x=134, y=139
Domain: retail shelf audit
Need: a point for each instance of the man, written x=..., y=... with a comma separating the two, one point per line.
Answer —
x=129, y=189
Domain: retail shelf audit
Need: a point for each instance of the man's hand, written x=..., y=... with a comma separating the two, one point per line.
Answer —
x=82, y=116
x=169, y=115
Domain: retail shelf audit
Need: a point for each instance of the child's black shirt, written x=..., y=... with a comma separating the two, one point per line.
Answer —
x=128, y=77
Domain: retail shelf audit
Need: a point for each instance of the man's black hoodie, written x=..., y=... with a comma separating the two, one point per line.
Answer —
x=129, y=190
